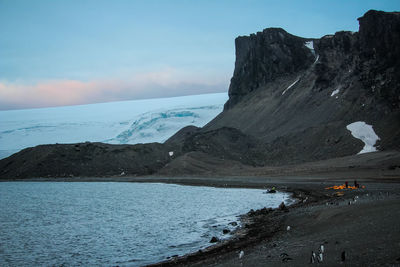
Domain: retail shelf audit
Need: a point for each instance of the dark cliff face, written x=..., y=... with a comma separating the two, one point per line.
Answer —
x=379, y=36
x=262, y=57
x=299, y=103
x=337, y=58
x=373, y=54
x=379, y=40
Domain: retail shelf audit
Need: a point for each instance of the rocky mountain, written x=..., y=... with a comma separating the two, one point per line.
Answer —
x=291, y=100
x=298, y=95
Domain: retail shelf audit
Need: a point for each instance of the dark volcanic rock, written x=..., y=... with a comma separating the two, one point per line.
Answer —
x=262, y=57
x=379, y=37
x=337, y=55
x=214, y=239
x=226, y=231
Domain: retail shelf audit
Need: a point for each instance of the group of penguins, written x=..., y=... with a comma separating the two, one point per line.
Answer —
x=314, y=256
x=320, y=256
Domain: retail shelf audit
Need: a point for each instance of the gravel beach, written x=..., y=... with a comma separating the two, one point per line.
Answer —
x=357, y=228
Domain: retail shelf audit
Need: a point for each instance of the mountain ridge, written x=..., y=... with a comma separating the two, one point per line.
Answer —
x=290, y=102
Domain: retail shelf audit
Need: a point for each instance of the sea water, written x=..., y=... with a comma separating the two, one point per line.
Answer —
x=106, y=223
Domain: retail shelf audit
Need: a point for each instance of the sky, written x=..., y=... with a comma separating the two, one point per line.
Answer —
x=70, y=52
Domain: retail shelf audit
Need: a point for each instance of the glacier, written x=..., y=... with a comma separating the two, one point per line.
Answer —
x=123, y=122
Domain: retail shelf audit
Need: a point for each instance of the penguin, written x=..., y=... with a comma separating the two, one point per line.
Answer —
x=241, y=254
x=313, y=256
x=320, y=257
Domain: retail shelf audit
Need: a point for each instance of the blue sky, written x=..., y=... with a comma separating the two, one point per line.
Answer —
x=65, y=52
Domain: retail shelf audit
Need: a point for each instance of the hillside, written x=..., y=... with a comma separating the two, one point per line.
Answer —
x=294, y=98
x=291, y=100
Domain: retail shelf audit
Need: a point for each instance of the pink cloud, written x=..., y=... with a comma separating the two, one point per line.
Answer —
x=168, y=82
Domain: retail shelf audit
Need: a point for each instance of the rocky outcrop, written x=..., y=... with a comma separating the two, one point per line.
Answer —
x=379, y=40
x=262, y=57
x=373, y=52
x=379, y=37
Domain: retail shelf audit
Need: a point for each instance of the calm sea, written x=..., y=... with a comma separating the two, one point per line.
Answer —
x=106, y=224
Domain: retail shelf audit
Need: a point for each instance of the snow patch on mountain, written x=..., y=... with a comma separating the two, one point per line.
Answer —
x=316, y=60
x=335, y=92
x=310, y=45
x=365, y=133
x=290, y=86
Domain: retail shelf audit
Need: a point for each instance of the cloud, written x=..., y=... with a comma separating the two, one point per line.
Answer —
x=165, y=83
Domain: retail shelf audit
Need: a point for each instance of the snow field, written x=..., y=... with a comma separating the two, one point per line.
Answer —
x=123, y=122
x=365, y=133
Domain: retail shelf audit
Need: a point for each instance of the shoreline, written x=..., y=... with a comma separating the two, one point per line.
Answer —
x=268, y=230
x=231, y=181
x=239, y=236
x=264, y=226
x=319, y=217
